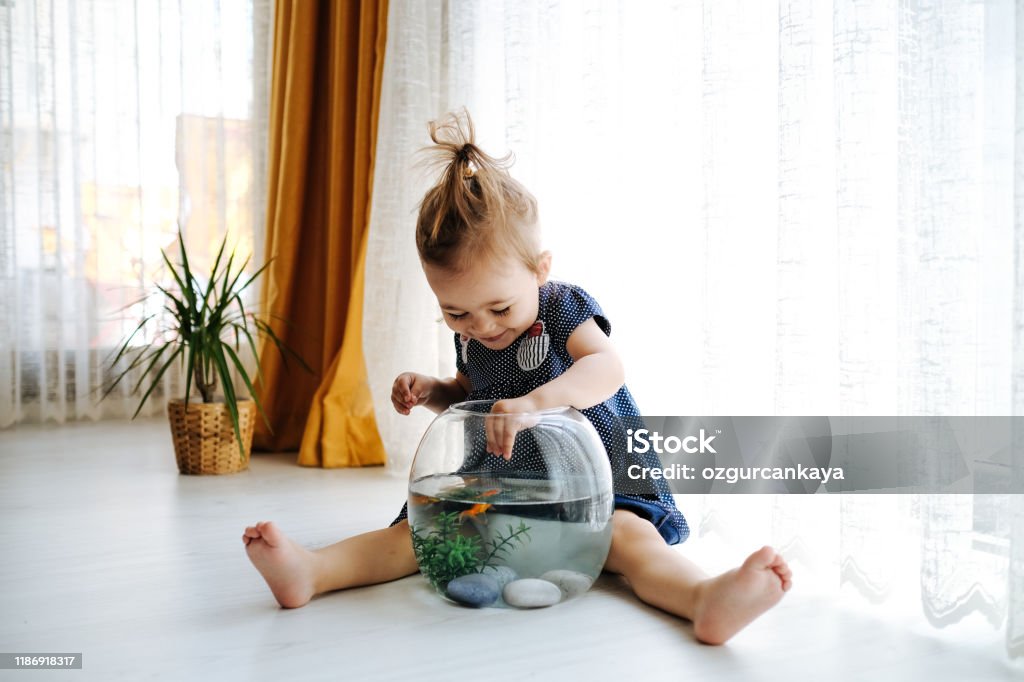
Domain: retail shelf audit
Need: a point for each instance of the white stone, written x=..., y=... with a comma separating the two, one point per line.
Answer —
x=531, y=593
x=571, y=583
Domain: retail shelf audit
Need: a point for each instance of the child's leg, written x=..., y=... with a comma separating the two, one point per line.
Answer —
x=719, y=607
x=294, y=573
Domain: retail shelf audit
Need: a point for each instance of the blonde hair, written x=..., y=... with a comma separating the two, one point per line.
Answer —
x=476, y=208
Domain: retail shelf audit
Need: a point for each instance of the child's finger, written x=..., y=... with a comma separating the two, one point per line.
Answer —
x=492, y=441
x=399, y=405
x=501, y=434
x=492, y=436
x=417, y=389
x=508, y=440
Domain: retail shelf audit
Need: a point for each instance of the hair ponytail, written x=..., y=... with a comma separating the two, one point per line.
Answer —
x=476, y=205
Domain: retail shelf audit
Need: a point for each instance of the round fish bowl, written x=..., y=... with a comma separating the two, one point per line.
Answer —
x=528, y=531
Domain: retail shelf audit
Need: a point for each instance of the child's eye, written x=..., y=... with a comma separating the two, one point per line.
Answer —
x=503, y=312
x=456, y=317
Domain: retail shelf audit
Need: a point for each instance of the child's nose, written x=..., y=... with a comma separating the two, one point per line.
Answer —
x=484, y=333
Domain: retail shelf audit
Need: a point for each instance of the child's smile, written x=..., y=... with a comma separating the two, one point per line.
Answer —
x=491, y=301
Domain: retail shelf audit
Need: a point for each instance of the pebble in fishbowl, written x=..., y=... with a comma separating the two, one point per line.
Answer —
x=493, y=540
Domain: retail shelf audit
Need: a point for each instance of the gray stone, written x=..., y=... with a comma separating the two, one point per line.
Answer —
x=571, y=583
x=531, y=593
x=503, y=574
x=474, y=589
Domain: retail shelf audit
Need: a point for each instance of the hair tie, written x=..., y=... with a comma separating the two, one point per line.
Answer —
x=463, y=156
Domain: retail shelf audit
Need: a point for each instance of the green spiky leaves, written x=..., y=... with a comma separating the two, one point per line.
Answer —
x=198, y=330
x=444, y=554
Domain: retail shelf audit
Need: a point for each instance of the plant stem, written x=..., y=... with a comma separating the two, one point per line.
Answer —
x=205, y=388
x=503, y=544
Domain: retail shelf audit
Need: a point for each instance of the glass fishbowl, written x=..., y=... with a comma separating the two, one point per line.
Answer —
x=528, y=531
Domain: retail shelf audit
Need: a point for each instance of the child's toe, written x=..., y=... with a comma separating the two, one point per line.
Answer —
x=761, y=559
x=270, y=533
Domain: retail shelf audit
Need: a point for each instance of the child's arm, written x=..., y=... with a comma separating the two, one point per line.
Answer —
x=596, y=374
x=411, y=389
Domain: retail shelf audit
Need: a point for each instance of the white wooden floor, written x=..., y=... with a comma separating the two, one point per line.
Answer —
x=108, y=551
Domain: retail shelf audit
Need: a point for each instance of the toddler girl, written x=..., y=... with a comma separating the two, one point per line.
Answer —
x=529, y=344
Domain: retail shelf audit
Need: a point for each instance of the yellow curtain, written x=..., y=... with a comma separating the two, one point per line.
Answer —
x=325, y=98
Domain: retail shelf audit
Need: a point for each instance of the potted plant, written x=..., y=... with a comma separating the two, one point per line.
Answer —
x=212, y=436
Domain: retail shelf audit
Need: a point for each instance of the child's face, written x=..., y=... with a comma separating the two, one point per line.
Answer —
x=491, y=301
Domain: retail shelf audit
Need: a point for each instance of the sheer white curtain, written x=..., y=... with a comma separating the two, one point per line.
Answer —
x=120, y=120
x=800, y=207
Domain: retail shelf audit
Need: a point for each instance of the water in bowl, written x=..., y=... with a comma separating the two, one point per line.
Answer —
x=463, y=523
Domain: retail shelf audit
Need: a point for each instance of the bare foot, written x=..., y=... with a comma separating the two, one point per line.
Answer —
x=287, y=567
x=728, y=603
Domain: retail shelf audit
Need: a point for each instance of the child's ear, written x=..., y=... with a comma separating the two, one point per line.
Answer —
x=543, y=268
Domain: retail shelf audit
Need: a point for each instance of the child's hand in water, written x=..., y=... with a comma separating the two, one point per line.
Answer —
x=501, y=431
x=411, y=389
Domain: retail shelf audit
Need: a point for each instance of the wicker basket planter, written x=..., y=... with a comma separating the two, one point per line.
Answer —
x=196, y=325
x=204, y=439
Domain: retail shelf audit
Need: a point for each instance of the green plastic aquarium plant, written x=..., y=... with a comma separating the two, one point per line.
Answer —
x=444, y=554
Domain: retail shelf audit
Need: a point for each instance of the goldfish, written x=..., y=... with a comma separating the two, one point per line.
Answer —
x=424, y=499
x=475, y=510
x=488, y=493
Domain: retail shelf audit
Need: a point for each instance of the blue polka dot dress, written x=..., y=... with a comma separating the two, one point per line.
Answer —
x=540, y=355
